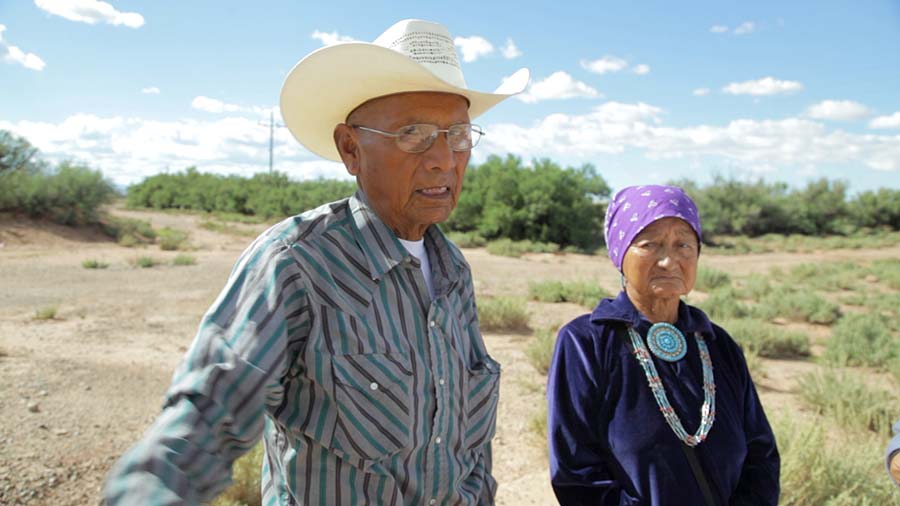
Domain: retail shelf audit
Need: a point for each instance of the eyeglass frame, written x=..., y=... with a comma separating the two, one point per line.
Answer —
x=396, y=135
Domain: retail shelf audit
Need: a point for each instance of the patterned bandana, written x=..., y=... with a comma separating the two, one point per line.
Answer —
x=635, y=207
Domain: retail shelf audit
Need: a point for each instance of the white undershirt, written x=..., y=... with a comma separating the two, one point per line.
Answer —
x=417, y=249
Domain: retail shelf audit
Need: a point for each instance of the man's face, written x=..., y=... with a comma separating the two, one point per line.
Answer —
x=408, y=191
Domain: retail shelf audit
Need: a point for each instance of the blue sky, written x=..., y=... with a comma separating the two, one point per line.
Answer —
x=647, y=91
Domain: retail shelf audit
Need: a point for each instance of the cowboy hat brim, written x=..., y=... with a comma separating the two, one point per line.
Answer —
x=325, y=86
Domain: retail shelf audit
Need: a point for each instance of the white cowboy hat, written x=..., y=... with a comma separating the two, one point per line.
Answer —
x=413, y=55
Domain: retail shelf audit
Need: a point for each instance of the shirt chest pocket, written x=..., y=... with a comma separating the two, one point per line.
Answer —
x=482, y=393
x=374, y=411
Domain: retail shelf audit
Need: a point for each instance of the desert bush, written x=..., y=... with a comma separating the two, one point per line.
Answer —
x=45, y=313
x=171, y=239
x=502, y=314
x=846, y=399
x=183, y=259
x=754, y=286
x=467, y=239
x=767, y=340
x=145, y=262
x=246, y=487
x=128, y=231
x=540, y=348
x=509, y=248
x=887, y=271
x=832, y=276
x=724, y=303
x=821, y=471
x=709, y=279
x=578, y=292
x=94, y=264
x=797, y=305
x=226, y=228
x=862, y=340
x=538, y=422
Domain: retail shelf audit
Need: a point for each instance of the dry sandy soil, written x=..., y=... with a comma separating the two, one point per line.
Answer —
x=78, y=389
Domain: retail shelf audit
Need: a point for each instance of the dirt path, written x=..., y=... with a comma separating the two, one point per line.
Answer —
x=78, y=389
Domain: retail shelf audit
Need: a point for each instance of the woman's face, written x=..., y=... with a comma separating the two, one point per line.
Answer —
x=661, y=261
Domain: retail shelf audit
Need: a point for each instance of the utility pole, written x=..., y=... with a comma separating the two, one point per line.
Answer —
x=272, y=126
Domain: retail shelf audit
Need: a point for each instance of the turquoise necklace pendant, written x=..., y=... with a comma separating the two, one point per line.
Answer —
x=666, y=342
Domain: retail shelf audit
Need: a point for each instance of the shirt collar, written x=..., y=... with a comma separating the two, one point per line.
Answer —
x=620, y=309
x=384, y=251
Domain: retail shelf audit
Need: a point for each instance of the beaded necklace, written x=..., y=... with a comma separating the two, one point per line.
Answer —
x=707, y=411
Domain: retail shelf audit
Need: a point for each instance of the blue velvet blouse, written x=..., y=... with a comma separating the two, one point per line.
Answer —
x=609, y=443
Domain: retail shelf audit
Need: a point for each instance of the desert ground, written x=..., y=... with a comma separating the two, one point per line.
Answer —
x=79, y=388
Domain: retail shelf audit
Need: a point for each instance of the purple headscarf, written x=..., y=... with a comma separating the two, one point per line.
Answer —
x=635, y=207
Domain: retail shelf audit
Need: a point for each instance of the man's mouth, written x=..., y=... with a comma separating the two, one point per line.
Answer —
x=435, y=191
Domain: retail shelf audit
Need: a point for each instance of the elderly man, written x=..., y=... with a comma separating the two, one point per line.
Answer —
x=346, y=336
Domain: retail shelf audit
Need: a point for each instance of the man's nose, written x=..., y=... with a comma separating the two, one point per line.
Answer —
x=439, y=155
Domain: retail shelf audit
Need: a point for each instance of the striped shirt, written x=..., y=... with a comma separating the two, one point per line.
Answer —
x=326, y=342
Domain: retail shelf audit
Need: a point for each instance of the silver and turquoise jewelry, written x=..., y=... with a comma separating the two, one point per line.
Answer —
x=666, y=342
x=707, y=411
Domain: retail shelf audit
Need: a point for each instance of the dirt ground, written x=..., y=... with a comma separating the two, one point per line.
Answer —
x=78, y=389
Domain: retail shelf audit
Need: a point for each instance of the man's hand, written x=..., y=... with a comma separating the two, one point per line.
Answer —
x=895, y=466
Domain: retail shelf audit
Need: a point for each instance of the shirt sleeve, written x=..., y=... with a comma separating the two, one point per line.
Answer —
x=579, y=472
x=892, y=448
x=214, y=409
x=759, y=483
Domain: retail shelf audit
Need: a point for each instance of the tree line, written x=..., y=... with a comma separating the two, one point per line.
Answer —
x=503, y=198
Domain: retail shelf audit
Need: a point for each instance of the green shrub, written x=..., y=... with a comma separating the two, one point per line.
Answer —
x=246, y=489
x=849, y=401
x=709, y=279
x=183, y=259
x=797, y=305
x=502, y=314
x=724, y=303
x=578, y=292
x=767, y=340
x=128, y=232
x=171, y=239
x=94, y=264
x=467, y=239
x=818, y=471
x=515, y=249
x=754, y=286
x=538, y=422
x=833, y=276
x=540, y=348
x=145, y=262
x=862, y=339
x=225, y=228
x=45, y=313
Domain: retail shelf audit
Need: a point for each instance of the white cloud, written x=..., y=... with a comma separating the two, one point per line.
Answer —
x=641, y=69
x=91, y=12
x=764, y=86
x=12, y=54
x=559, y=85
x=745, y=28
x=130, y=149
x=700, y=92
x=150, y=90
x=604, y=65
x=718, y=29
x=838, y=110
x=473, y=47
x=510, y=50
x=614, y=127
x=330, y=38
x=892, y=121
x=213, y=105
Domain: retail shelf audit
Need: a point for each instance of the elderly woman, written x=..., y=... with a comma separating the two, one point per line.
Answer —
x=649, y=402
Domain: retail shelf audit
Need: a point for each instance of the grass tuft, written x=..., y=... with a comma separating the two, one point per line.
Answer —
x=94, y=264
x=45, y=313
x=724, y=303
x=515, y=249
x=579, y=292
x=709, y=279
x=797, y=305
x=767, y=340
x=183, y=259
x=145, y=262
x=502, y=314
x=862, y=340
x=171, y=239
x=849, y=401
x=540, y=348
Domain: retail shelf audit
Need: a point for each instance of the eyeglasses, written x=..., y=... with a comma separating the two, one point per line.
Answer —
x=419, y=137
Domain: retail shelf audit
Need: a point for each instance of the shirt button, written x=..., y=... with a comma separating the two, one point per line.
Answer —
x=441, y=381
x=431, y=324
x=432, y=501
x=437, y=440
x=373, y=386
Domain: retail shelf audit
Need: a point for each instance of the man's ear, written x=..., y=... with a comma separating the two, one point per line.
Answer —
x=348, y=147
